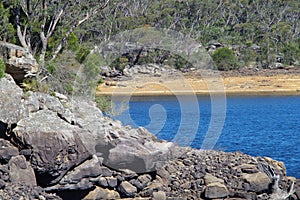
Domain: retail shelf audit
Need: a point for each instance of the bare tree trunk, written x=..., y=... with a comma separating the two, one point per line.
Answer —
x=78, y=23
x=44, y=49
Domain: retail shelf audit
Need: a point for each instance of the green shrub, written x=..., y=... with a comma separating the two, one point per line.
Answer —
x=73, y=43
x=103, y=103
x=35, y=86
x=2, y=68
x=225, y=59
x=100, y=81
x=51, y=67
x=81, y=54
x=291, y=53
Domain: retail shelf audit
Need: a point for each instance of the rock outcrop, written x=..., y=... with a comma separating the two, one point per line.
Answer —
x=57, y=145
x=19, y=62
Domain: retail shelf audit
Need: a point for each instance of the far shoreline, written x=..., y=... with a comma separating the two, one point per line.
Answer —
x=202, y=93
x=276, y=85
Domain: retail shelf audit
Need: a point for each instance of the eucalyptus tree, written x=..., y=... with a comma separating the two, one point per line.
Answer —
x=6, y=28
x=39, y=21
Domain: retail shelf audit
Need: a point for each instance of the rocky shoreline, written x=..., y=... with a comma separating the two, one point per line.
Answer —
x=53, y=147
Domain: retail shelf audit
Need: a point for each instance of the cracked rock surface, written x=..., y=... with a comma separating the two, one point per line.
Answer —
x=58, y=148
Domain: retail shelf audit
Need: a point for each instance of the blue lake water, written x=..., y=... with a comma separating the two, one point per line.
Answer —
x=258, y=126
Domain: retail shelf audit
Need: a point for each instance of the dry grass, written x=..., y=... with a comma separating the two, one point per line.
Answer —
x=278, y=84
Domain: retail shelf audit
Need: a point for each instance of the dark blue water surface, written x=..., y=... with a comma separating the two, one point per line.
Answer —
x=258, y=126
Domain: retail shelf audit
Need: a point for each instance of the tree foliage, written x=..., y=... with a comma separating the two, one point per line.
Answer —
x=38, y=22
x=47, y=27
x=7, y=30
x=268, y=24
x=225, y=59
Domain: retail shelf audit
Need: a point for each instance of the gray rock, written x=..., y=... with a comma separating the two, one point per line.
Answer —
x=136, y=150
x=84, y=184
x=216, y=190
x=259, y=182
x=45, y=101
x=160, y=195
x=89, y=117
x=248, y=168
x=128, y=174
x=2, y=184
x=163, y=173
x=112, y=181
x=35, y=101
x=126, y=189
x=104, y=171
x=142, y=181
x=102, y=182
x=20, y=171
x=100, y=193
x=152, y=187
x=88, y=169
x=56, y=145
x=208, y=178
x=11, y=103
x=7, y=150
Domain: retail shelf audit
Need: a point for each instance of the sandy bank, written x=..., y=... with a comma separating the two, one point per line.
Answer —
x=281, y=84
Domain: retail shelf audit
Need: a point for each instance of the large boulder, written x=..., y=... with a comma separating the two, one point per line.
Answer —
x=135, y=149
x=216, y=190
x=119, y=146
x=19, y=62
x=55, y=145
x=11, y=103
x=259, y=182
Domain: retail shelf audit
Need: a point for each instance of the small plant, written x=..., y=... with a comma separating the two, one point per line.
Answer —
x=2, y=68
x=225, y=59
x=73, y=43
x=35, y=86
x=103, y=103
x=51, y=67
x=81, y=54
x=100, y=81
x=69, y=88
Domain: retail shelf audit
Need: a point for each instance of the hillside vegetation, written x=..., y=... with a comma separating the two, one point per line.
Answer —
x=252, y=32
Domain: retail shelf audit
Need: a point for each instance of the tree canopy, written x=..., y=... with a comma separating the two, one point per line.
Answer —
x=45, y=27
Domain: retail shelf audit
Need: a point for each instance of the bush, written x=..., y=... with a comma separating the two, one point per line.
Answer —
x=51, y=67
x=81, y=54
x=2, y=68
x=225, y=59
x=73, y=42
x=103, y=103
x=291, y=53
x=35, y=86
